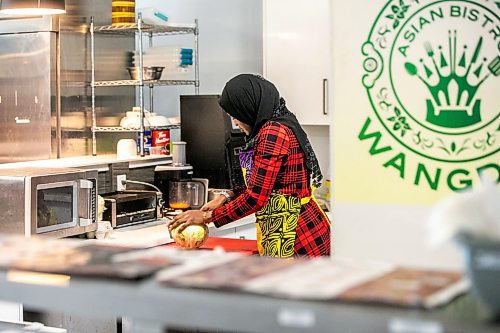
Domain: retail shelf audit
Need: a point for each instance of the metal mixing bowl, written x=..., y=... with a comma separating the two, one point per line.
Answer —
x=148, y=73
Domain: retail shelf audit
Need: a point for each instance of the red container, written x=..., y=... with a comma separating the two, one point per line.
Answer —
x=162, y=138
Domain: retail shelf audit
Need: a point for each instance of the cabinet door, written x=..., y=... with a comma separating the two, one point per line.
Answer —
x=11, y=312
x=247, y=231
x=297, y=55
x=26, y=75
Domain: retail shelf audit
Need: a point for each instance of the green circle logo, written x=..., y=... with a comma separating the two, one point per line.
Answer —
x=432, y=74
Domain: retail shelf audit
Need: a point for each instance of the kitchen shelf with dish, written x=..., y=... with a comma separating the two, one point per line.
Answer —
x=140, y=29
x=123, y=129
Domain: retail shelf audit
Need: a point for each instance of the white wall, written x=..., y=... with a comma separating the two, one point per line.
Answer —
x=389, y=233
x=230, y=43
x=319, y=137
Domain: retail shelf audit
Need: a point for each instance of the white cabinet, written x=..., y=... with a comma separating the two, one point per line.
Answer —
x=248, y=231
x=243, y=229
x=297, y=55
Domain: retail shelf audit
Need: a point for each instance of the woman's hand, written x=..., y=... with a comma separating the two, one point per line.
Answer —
x=219, y=201
x=190, y=217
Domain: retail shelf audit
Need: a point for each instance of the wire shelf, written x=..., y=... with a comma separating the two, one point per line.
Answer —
x=156, y=30
x=148, y=83
x=133, y=130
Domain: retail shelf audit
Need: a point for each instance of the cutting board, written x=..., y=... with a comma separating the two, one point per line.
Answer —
x=229, y=245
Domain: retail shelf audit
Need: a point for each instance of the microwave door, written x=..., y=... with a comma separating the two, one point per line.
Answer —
x=56, y=206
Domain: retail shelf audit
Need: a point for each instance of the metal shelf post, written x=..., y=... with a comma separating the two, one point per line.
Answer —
x=151, y=86
x=92, y=87
x=196, y=61
x=141, y=85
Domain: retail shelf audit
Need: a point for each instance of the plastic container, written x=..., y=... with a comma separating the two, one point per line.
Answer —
x=122, y=12
x=178, y=73
x=158, y=150
x=147, y=142
x=179, y=153
x=153, y=16
x=161, y=137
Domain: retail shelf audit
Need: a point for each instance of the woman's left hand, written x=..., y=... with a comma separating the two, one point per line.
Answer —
x=183, y=220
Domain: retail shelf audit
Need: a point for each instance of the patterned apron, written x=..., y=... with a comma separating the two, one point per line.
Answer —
x=277, y=220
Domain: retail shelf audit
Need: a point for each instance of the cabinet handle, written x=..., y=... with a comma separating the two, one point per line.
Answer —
x=325, y=96
x=22, y=120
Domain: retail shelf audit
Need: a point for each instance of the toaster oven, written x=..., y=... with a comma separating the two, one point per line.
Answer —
x=124, y=208
x=55, y=202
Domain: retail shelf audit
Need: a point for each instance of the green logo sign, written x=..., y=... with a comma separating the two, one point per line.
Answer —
x=432, y=75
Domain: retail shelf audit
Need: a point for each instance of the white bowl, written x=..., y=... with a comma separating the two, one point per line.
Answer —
x=174, y=120
x=156, y=121
x=126, y=148
x=133, y=122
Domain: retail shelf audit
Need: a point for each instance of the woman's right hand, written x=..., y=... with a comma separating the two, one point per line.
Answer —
x=214, y=204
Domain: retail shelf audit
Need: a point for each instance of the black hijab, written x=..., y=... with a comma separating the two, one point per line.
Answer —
x=254, y=101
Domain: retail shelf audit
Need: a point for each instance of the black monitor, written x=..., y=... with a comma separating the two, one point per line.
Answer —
x=213, y=142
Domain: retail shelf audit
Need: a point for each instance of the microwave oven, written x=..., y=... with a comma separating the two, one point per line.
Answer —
x=54, y=202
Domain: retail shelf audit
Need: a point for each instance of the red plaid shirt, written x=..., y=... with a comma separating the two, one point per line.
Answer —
x=279, y=165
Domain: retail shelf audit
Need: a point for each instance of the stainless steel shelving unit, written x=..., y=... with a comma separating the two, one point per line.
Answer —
x=139, y=30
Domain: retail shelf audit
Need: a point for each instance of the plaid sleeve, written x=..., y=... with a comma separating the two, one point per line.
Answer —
x=270, y=150
x=238, y=190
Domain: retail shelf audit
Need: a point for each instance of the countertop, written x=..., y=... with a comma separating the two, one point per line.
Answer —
x=155, y=233
x=99, y=162
x=151, y=305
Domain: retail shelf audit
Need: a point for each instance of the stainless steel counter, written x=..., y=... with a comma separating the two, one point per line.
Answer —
x=100, y=162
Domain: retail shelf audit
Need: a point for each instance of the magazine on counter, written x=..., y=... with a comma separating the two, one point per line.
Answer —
x=79, y=258
x=233, y=274
x=409, y=287
x=325, y=279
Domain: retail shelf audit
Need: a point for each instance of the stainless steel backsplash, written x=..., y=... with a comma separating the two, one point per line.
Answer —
x=45, y=110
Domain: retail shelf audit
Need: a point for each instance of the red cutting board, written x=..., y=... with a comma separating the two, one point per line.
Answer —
x=229, y=245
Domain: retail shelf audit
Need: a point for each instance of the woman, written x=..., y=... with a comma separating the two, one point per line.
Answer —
x=280, y=171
